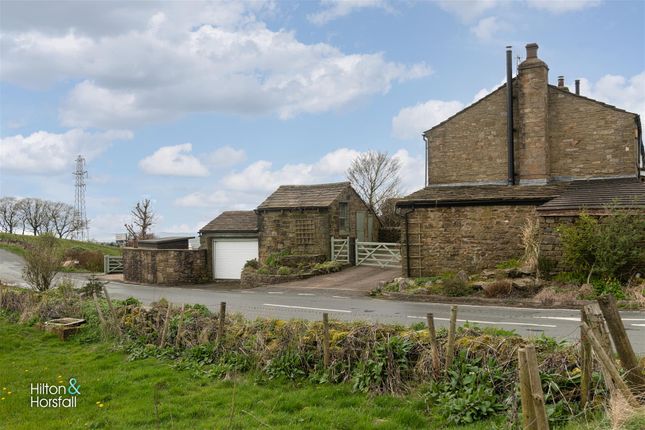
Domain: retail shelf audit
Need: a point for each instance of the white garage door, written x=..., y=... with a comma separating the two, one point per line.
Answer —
x=229, y=256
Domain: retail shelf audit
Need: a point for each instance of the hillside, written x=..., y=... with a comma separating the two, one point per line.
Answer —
x=88, y=254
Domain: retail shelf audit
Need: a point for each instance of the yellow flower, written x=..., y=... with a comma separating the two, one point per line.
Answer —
x=8, y=392
x=2, y=398
x=576, y=370
x=4, y=388
x=101, y=405
x=98, y=402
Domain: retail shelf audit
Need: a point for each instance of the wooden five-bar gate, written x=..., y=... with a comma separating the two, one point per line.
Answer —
x=376, y=254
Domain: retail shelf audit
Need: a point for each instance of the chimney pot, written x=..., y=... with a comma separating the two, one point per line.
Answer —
x=560, y=81
x=577, y=86
x=531, y=50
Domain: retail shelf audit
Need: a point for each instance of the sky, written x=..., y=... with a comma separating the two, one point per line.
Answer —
x=204, y=107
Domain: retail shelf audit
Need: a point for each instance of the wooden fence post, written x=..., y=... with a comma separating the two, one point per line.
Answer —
x=624, y=348
x=326, y=340
x=450, y=347
x=222, y=321
x=180, y=323
x=166, y=321
x=586, y=364
x=609, y=366
x=528, y=409
x=434, y=347
x=536, y=389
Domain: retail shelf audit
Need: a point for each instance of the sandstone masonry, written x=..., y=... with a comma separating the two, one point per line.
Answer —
x=165, y=266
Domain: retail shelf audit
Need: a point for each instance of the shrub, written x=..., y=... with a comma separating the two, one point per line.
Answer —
x=252, y=264
x=42, y=262
x=610, y=246
x=602, y=287
x=93, y=286
x=284, y=271
x=327, y=267
x=500, y=288
x=456, y=287
x=469, y=393
x=287, y=365
x=546, y=296
x=91, y=261
x=273, y=260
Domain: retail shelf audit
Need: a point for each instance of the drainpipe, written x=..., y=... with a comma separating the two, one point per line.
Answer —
x=509, y=116
x=425, y=139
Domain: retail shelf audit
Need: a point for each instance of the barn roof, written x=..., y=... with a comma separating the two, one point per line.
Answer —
x=233, y=221
x=622, y=193
x=304, y=196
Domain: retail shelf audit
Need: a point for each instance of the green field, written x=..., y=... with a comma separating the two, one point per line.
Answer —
x=119, y=394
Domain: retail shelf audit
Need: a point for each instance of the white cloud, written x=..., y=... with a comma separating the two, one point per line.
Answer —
x=46, y=153
x=173, y=161
x=246, y=189
x=487, y=28
x=226, y=156
x=624, y=93
x=467, y=10
x=175, y=62
x=562, y=6
x=411, y=121
x=339, y=8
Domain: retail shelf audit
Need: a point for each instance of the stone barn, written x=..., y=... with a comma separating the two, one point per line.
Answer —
x=529, y=149
x=299, y=219
x=302, y=219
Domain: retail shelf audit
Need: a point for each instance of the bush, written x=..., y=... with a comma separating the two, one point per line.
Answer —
x=456, y=287
x=252, y=264
x=609, y=246
x=513, y=263
x=93, y=286
x=91, y=261
x=273, y=260
x=284, y=271
x=327, y=267
x=469, y=393
x=42, y=262
x=603, y=287
x=501, y=288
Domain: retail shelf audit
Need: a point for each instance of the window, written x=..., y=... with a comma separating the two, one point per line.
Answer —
x=304, y=232
x=343, y=217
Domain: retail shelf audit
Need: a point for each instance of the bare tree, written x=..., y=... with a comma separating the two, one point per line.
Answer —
x=34, y=214
x=142, y=219
x=9, y=214
x=375, y=176
x=42, y=262
x=62, y=219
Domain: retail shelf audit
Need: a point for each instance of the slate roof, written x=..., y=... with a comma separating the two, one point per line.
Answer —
x=233, y=221
x=598, y=194
x=304, y=196
x=481, y=194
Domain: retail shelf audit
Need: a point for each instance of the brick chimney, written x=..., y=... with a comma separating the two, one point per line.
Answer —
x=533, y=151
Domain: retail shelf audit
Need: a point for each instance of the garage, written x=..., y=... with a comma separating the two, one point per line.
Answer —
x=231, y=239
x=229, y=256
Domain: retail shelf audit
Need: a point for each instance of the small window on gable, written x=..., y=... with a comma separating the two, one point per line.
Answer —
x=343, y=217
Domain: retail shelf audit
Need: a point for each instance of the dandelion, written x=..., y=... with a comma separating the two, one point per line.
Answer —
x=9, y=392
x=101, y=405
x=2, y=398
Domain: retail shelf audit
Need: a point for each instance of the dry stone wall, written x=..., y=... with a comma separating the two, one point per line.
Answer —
x=165, y=266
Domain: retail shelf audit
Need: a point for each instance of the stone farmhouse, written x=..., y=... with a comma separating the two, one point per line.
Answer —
x=300, y=219
x=527, y=150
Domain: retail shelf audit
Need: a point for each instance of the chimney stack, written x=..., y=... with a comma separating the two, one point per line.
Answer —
x=560, y=81
x=577, y=87
x=533, y=151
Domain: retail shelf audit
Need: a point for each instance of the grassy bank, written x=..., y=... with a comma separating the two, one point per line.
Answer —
x=18, y=244
x=149, y=393
x=88, y=255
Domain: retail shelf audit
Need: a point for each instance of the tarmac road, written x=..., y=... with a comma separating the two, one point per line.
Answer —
x=299, y=301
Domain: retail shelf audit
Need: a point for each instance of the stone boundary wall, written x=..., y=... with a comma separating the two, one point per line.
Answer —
x=550, y=244
x=165, y=266
x=469, y=238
